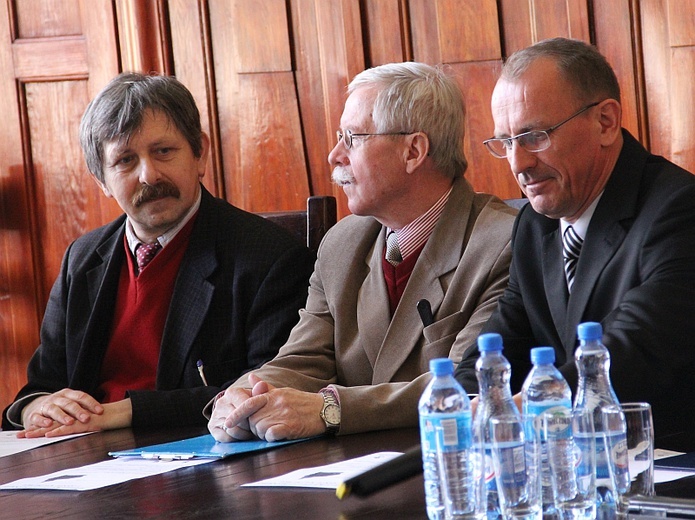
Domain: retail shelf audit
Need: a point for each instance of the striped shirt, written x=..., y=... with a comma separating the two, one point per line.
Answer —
x=414, y=235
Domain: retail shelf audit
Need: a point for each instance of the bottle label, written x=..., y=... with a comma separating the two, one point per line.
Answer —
x=449, y=432
x=537, y=410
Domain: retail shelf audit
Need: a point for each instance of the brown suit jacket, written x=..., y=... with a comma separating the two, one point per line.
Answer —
x=346, y=338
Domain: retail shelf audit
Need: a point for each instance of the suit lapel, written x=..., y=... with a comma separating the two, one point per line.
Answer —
x=102, y=290
x=440, y=256
x=607, y=230
x=190, y=300
x=554, y=278
x=373, y=313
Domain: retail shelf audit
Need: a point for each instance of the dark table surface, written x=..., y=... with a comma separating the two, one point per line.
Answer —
x=213, y=490
x=210, y=490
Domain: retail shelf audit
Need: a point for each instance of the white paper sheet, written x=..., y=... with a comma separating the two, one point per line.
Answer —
x=10, y=444
x=102, y=474
x=329, y=476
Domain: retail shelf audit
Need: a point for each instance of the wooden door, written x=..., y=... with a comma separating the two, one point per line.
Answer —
x=55, y=55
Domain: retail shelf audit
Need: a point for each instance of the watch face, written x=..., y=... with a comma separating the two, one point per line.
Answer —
x=332, y=414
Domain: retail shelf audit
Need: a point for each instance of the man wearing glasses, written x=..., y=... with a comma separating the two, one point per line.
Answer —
x=608, y=236
x=358, y=359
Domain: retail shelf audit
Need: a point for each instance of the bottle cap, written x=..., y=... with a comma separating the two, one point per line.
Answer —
x=589, y=331
x=490, y=342
x=542, y=355
x=441, y=366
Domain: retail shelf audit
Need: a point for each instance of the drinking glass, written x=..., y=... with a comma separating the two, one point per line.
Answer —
x=516, y=456
x=571, y=447
x=636, y=451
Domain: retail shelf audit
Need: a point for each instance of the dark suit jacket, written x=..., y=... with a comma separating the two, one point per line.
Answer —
x=635, y=275
x=240, y=286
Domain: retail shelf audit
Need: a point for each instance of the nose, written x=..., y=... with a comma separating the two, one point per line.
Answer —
x=148, y=173
x=338, y=155
x=520, y=159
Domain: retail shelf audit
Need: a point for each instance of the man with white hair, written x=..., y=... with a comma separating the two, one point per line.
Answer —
x=358, y=358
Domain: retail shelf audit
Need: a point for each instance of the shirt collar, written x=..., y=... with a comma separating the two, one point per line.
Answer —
x=164, y=239
x=582, y=223
x=415, y=234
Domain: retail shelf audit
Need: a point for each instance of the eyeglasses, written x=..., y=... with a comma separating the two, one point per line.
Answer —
x=348, y=136
x=533, y=141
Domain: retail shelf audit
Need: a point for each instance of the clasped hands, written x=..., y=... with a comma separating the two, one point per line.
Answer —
x=266, y=412
x=71, y=411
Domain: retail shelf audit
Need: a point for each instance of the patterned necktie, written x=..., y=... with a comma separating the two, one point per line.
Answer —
x=571, y=247
x=145, y=253
x=393, y=253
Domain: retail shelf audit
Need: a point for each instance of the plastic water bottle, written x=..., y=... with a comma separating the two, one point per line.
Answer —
x=594, y=391
x=448, y=454
x=494, y=399
x=546, y=391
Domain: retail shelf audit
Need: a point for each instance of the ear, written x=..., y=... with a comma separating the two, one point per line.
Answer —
x=417, y=151
x=610, y=113
x=204, y=151
x=103, y=187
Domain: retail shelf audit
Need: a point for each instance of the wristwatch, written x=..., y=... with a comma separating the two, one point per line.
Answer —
x=330, y=413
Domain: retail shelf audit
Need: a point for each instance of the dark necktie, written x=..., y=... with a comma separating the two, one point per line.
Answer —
x=393, y=253
x=144, y=253
x=571, y=247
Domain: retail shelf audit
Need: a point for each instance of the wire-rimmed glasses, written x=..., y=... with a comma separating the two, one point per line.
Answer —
x=533, y=141
x=349, y=135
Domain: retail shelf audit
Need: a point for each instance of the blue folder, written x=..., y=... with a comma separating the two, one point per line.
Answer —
x=205, y=447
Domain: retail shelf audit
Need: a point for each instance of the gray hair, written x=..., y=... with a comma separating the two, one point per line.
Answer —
x=581, y=64
x=117, y=112
x=415, y=97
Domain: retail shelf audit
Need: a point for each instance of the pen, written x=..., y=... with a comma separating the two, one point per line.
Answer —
x=199, y=364
x=425, y=310
x=379, y=477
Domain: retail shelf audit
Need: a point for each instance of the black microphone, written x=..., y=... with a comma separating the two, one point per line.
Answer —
x=386, y=474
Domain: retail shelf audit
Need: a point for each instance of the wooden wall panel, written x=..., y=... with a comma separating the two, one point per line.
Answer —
x=468, y=30
x=65, y=199
x=314, y=108
x=191, y=54
x=19, y=308
x=49, y=52
x=143, y=37
x=683, y=116
x=657, y=76
x=425, y=31
x=681, y=23
x=485, y=172
x=385, y=28
x=270, y=128
x=47, y=18
x=260, y=132
x=524, y=23
x=260, y=47
x=618, y=40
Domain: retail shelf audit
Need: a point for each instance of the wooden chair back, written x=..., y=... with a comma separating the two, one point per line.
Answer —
x=311, y=225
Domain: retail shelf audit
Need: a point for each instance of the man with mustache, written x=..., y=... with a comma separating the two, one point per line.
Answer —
x=631, y=217
x=358, y=358
x=121, y=340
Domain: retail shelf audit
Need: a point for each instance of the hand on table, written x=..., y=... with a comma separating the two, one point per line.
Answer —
x=267, y=413
x=71, y=411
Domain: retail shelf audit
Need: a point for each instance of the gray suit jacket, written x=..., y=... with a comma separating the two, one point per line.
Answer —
x=346, y=338
x=241, y=283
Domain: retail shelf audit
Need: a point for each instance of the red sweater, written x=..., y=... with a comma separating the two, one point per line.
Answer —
x=397, y=277
x=142, y=305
